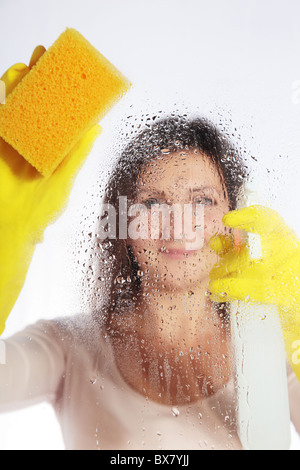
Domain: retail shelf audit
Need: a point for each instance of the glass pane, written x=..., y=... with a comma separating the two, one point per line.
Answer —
x=116, y=340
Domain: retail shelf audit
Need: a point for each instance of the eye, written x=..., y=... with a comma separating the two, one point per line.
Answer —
x=205, y=200
x=151, y=201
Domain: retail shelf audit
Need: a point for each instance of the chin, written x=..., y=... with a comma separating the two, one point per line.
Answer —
x=180, y=280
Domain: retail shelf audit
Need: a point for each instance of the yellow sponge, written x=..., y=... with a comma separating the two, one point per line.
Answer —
x=70, y=89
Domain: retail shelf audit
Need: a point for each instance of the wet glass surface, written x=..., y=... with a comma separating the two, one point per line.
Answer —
x=151, y=354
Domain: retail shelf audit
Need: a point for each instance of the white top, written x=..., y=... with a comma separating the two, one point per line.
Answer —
x=69, y=362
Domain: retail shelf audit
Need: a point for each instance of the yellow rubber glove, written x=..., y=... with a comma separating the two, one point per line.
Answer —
x=274, y=279
x=29, y=202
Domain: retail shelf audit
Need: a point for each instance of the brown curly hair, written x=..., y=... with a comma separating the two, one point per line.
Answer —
x=116, y=285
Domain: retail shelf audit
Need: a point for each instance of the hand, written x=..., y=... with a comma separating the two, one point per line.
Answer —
x=29, y=202
x=274, y=279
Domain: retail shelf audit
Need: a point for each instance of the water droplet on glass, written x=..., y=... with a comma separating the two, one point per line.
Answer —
x=175, y=412
x=120, y=280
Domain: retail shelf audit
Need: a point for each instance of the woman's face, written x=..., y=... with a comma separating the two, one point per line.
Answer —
x=184, y=198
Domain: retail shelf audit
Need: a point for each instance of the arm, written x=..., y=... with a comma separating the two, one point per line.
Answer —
x=34, y=366
x=274, y=279
x=29, y=202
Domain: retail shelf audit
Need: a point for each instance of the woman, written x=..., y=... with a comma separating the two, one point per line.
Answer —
x=161, y=290
x=151, y=366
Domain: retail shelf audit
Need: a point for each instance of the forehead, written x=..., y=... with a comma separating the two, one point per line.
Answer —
x=178, y=169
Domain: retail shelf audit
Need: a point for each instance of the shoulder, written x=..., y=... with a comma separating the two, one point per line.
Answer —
x=63, y=332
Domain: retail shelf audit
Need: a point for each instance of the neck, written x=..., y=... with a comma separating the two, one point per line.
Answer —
x=172, y=318
x=176, y=346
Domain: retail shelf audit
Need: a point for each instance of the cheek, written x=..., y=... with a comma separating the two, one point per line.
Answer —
x=146, y=253
x=213, y=221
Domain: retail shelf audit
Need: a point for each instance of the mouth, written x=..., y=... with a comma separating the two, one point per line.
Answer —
x=177, y=253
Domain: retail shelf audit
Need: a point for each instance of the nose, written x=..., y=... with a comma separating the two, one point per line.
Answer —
x=180, y=222
x=194, y=226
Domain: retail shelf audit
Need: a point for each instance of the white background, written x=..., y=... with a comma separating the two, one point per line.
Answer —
x=237, y=61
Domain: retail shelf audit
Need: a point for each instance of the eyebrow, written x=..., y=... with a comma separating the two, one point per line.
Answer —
x=191, y=190
x=201, y=188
